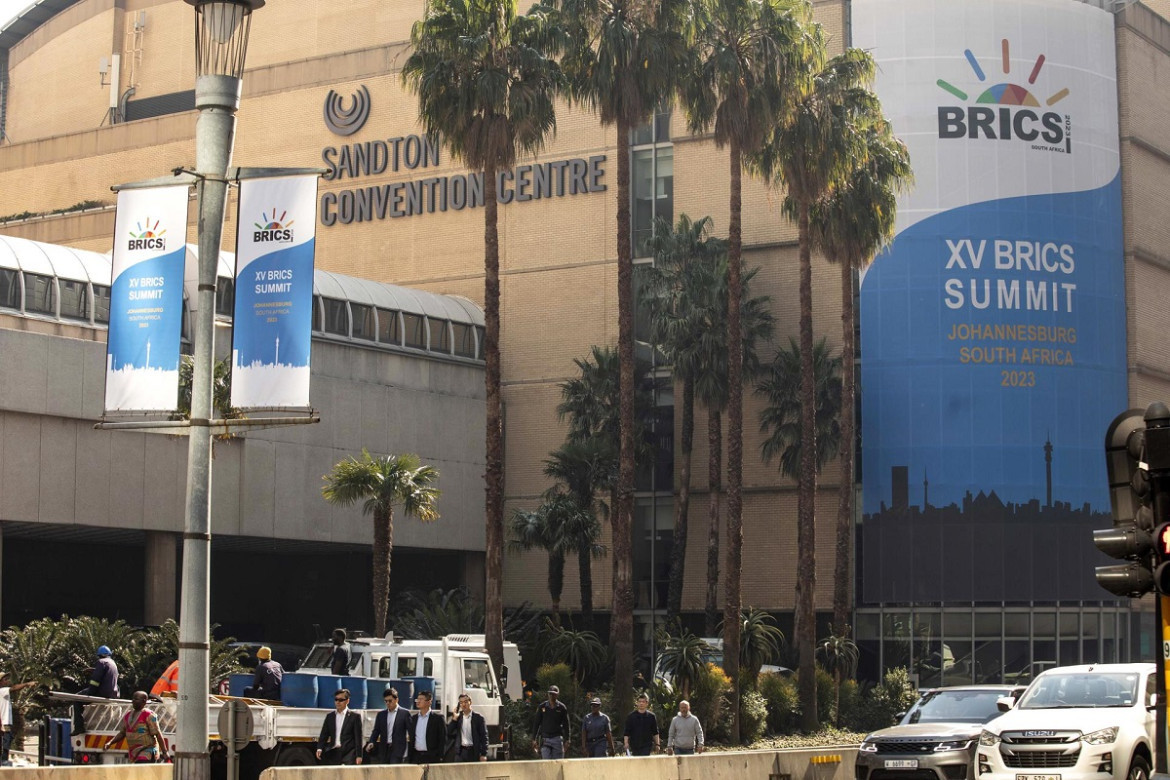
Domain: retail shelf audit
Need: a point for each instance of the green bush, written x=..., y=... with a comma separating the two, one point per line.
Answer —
x=709, y=702
x=850, y=700
x=753, y=716
x=826, y=694
x=879, y=705
x=782, y=702
x=518, y=715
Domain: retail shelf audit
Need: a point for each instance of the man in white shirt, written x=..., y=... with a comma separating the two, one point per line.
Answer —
x=427, y=731
x=6, y=690
x=391, y=734
x=340, y=741
x=468, y=730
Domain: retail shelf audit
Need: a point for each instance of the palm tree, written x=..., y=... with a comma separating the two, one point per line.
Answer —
x=746, y=52
x=583, y=651
x=583, y=468
x=760, y=642
x=486, y=85
x=683, y=659
x=838, y=654
x=541, y=529
x=381, y=482
x=852, y=225
x=626, y=56
x=673, y=292
x=810, y=153
x=781, y=419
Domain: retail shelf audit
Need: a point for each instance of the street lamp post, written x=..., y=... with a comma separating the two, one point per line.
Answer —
x=221, y=41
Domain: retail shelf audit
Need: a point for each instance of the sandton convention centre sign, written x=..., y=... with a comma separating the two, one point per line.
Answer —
x=428, y=194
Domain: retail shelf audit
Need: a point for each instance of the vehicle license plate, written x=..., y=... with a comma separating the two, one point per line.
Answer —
x=1037, y=777
x=902, y=763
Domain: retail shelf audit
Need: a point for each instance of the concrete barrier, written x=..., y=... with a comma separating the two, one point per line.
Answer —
x=623, y=768
x=740, y=765
x=95, y=772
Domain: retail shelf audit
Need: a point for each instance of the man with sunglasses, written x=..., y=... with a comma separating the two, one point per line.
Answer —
x=341, y=734
x=390, y=738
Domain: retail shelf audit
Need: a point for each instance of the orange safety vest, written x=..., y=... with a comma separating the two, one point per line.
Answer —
x=169, y=681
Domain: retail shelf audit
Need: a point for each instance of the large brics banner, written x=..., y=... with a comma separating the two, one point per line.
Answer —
x=993, y=334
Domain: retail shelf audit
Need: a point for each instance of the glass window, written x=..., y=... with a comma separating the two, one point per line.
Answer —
x=1044, y=624
x=428, y=667
x=385, y=667
x=479, y=337
x=101, y=304
x=74, y=299
x=363, y=321
x=642, y=181
x=987, y=624
x=407, y=666
x=464, y=340
x=9, y=289
x=1016, y=624
x=225, y=296
x=39, y=294
x=336, y=318
x=476, y=674
x=415, y=331
x=316, y=312
x=389, y=331
x=956, y=624
x=440, y=336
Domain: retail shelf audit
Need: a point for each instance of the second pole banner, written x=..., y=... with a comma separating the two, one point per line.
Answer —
x=272, y=330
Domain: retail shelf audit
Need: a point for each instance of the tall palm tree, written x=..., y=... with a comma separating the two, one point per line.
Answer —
x=745, y=53
x=809, y=154
x=673, y=293
x=852, y=225
x=626, y=57
x=560, y=527
x=583, y=468
x=487, y=84
x=381, y=482
x=781, y=419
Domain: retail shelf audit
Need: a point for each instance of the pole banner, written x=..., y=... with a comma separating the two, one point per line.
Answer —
x=272, y=329
x=146, y=300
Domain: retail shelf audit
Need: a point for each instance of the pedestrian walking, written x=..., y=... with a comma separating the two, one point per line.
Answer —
x=596, y=732
x=340, y=741
x=467, y=731
x=641, y=734
x=685, y=737
x=390, y=739
x=550, y=728
x=139, y=727
x=428, y=735
x=6, y=721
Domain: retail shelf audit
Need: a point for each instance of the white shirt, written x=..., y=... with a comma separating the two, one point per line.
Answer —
x=337, y=723
x=420, y=731
x=465, y=731
x=6, y=708
x=391, y=714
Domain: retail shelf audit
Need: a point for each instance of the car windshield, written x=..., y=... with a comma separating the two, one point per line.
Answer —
x=1098, y=689
x=957, y=706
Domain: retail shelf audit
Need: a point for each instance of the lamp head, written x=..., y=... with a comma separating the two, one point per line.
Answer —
x=221, y=35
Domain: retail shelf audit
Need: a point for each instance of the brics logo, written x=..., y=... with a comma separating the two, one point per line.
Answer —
x=274, y=229
x=149, y=237
x=1006, y=111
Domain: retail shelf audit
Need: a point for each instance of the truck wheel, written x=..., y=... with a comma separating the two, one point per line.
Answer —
x=298, y=755
x=1139, y=769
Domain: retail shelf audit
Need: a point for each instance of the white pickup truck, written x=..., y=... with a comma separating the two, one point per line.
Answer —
x=1092, y=722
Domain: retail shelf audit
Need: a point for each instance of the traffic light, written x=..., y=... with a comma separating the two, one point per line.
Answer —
x=1130, y=492
x=1161, y=540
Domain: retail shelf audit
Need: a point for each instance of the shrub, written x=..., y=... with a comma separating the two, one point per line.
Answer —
x=753, y=716
x=826, y=697
x=709, y=701
x=782, y=702
x=880, y=704
x=517, y=716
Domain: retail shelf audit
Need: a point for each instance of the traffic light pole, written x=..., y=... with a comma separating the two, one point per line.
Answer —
x=1161, y=611
x=1157, y=460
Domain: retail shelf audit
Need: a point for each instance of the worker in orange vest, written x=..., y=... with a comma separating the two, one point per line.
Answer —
x=168, y=681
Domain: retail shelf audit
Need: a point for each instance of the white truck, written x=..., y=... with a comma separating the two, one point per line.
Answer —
x=1074, y=723
x=286, y=736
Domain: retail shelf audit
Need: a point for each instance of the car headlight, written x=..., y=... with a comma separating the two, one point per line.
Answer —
x=955, y=744
x=867, y=746
x=1101, y=737
x=987, y=739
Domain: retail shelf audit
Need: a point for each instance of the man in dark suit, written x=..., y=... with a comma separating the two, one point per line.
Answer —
x=427, y=732
x=341, y=734
x=390, y=739
x=467, y=732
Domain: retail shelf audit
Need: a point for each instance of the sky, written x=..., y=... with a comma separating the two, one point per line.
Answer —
x=10, y=8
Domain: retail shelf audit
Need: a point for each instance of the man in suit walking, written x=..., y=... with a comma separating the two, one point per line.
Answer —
x=341, y=734
x=468, y=731
x=390, y=739
x=427, y=732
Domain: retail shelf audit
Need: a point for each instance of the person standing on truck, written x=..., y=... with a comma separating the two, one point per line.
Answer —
x=266, y=680
x=550, y=728
x=427, y=732
x=339, y=660
x=468, y=731
x=685, y=737
x=6, y=722
x=104, y=679
x=340, y=741
x=641, y=732
x=390, y=739
x=596, y=732
x=139, y=727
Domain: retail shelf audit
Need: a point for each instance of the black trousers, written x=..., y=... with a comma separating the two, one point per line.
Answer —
x=467, y=753
x=426, y=757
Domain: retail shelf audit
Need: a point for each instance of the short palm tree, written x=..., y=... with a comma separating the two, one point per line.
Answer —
x=380, y=482
x=810, y=153
x=624, y=61
x=747, y=54
x=782, y=417
x=760, y=642
x=582, y=650
x=683, y=659
x=852, y=225
x=838, y=654
x=487, y=84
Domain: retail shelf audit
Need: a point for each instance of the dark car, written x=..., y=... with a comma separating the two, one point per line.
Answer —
x=936, y=738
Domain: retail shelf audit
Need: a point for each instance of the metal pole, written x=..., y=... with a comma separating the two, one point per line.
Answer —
x=217, y=98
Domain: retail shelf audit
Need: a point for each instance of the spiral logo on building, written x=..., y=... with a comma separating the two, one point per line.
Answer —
x=148, y=237
x=1015, y=119
x=347, y=120
x=274, y=229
